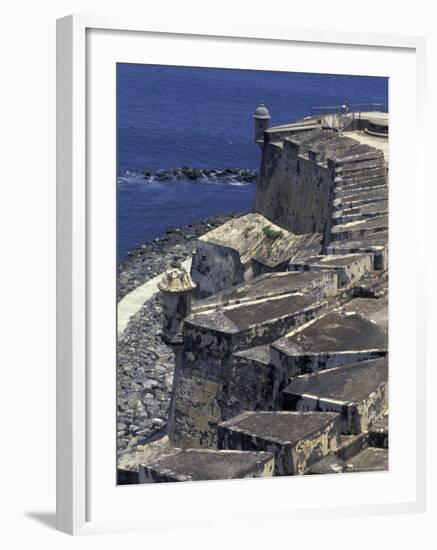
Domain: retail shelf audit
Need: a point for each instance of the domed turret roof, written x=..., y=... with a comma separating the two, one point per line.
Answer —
x=262, y=111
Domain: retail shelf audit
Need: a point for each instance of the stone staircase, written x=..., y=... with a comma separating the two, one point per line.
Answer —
x=360, y=205
x=346, y=123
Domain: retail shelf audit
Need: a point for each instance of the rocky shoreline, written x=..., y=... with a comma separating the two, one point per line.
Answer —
x=186, y=172
x=152, y=258
x=145, y=364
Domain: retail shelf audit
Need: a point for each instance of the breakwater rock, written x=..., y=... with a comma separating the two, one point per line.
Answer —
x=243, y=175
x=145, y=365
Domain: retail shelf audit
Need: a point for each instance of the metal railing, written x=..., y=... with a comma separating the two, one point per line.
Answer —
x=349, y=108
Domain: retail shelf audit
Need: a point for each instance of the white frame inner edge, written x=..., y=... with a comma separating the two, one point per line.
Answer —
x=87, y=498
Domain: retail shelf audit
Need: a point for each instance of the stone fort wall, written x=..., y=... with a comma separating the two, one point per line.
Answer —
x=293, y=191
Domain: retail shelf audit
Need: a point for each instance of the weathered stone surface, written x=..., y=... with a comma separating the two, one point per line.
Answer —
x=358, y=186
x=362, y=212
x=330, y=464
x=322, y=150
x=353, y=169
x=376, y=244
x=204, y=389
x=364, y=174
x=369, y=460
x=358, y=199
x=375, y=285
x=198, y=465
x=335, y=339
x=363, y=152
x=357, y=229
x=243, y=248
x=243, y=345
x=350, y=268
x=351, y=445
x=375, y=309
x=378, y=433
x=254, y=383
x=271, y=285
x=294, y=191
x=176, y=289
x=257, y=313
x=296, y=440
x=359, y=393
x=129, y=461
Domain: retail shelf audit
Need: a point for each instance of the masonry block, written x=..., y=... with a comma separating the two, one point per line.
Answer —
x=296, y=440
x=358, y=392
x=350, y=268
x=202, y=465
x=335, y=339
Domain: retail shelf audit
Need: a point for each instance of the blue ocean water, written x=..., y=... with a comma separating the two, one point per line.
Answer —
x=168, y=117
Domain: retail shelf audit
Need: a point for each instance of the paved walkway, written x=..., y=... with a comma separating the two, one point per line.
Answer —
x=133, y=302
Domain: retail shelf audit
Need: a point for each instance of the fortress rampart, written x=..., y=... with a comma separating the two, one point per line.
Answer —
x=294, y=191
x=282, y=355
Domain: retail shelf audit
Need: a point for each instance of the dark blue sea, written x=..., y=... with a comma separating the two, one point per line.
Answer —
x=169, y=117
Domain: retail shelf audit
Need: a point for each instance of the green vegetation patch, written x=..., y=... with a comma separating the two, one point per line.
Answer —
x=271, y=233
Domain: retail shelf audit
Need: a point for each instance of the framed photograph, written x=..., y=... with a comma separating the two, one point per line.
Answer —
x=239, y=333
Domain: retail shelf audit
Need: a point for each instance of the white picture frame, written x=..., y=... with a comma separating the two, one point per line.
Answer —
x=77, y=239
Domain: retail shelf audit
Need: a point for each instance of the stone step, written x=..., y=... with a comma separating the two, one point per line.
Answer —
x=321, y=152
x=378, y=433
x=335, y=339
x=258, y=312
x=269, y=285
x=344, y=194
x=376, y=244
x=374, y=195
x=330, y=464
x=368, y=172
x=339, y=219
x=271, y=302
x=364, y=212
x=206, y=464
x=296, y=440
x=349, y=268
x=358, y=167
x=351, y=445
x=128, y=463
x=356, y=230
x=373, y=286
x=363, y=183
x=361, y=153
x=253, y=315
x=233, y=328
x=359, y=392
x=375, y=309
x=371, y=208
x=371, y=459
